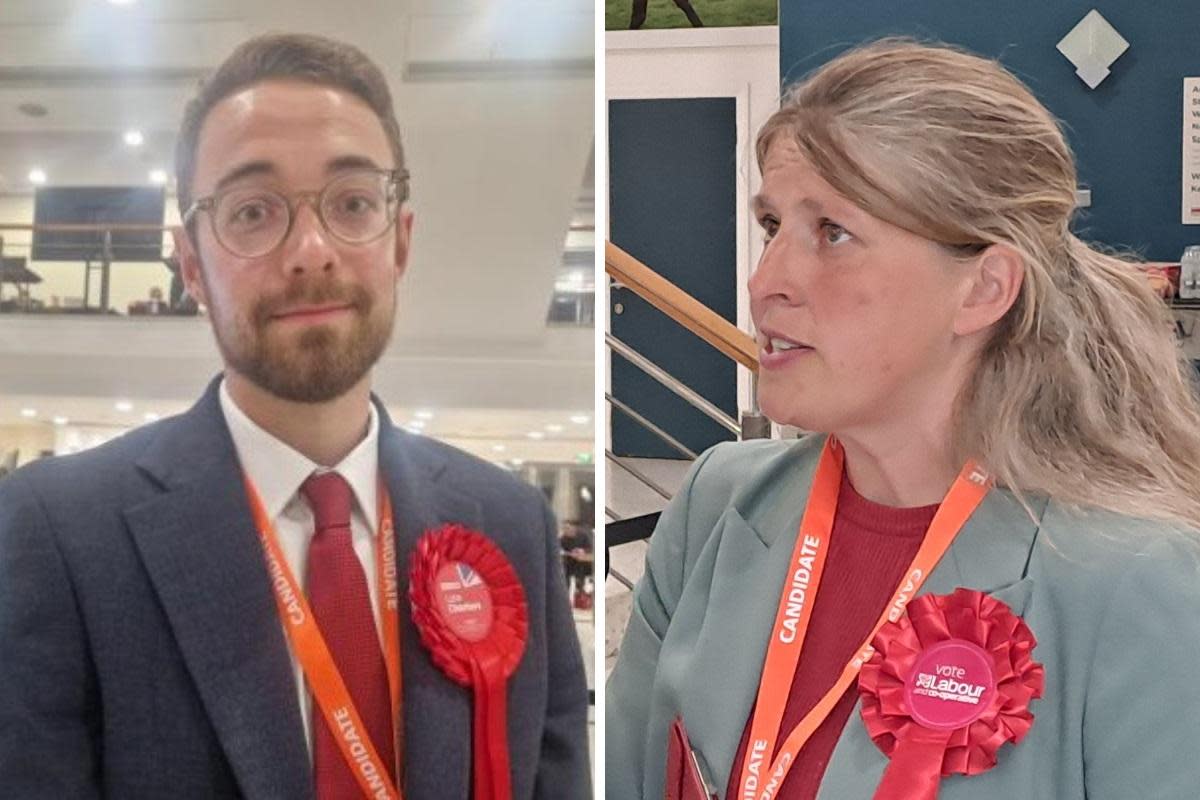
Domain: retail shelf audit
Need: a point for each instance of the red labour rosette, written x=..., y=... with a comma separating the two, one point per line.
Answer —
x=469, y=607
x=950, y=682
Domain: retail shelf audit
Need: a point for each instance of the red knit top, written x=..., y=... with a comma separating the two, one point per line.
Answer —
x=871, y=547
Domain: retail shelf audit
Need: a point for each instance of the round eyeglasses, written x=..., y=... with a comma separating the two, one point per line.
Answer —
x=356, y=208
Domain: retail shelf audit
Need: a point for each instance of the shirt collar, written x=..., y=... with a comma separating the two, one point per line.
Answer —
x=278, y=470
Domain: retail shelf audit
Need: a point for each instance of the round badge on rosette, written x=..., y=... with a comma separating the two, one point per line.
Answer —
x=950, y=682
x=469, y=607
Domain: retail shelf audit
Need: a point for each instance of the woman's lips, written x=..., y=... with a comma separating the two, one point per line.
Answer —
x=777, y=352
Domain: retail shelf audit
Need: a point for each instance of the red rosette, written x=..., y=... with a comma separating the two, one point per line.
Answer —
x=475, y=632
x=447, y=545
x=949, y=683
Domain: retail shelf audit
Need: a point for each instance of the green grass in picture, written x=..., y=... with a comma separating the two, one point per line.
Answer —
x=713, y=13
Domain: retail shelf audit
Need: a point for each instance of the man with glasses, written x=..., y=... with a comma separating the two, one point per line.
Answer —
x=178, y=606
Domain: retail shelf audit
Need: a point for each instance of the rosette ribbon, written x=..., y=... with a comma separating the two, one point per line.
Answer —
x=483, y=656
x=918, y=686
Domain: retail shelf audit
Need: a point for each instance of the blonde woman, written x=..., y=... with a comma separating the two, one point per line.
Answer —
x=1007, y=433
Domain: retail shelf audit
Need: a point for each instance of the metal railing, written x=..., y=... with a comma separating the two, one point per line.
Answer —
x=650, y=426
x=667, y=380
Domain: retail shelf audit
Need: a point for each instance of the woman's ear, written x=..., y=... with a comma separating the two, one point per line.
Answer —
x=993, y=287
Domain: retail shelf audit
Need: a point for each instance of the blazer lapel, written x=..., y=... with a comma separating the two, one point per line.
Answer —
x=437, y=712
x=198, y=544
x=992, y=551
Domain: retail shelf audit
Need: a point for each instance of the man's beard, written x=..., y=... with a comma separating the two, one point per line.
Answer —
x=316, y=365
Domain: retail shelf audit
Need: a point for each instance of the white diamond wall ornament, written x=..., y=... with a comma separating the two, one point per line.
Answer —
x=1092, y=46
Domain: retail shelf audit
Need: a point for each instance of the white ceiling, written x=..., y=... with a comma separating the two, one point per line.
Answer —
x=495, y=102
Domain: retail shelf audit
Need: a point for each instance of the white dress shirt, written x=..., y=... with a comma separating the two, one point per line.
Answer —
x=277, y=471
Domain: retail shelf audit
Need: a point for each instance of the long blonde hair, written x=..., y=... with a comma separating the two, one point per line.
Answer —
x=1080, y=393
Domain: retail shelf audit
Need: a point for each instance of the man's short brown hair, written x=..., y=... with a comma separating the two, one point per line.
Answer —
x=283, y=56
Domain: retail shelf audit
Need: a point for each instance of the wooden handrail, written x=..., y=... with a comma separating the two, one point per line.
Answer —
x=680, y=306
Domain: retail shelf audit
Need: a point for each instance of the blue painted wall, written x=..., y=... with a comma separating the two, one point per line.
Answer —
x=672, y=195
x=1126, y=134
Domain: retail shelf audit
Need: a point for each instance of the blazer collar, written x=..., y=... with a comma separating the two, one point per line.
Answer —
x=191, y=446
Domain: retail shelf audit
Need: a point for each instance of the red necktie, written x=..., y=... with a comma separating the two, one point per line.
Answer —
x=341, y=605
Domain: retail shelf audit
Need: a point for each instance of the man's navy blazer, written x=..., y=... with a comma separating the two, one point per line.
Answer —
x=142, y=656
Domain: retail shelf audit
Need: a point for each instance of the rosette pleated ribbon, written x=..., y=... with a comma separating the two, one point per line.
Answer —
x=921, y=754
x=482, y=662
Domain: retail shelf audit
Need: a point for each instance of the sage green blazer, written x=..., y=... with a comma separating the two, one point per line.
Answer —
x=1113, y=601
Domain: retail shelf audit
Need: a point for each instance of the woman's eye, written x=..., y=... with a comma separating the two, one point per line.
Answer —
x=833, y=233
x=770, y=226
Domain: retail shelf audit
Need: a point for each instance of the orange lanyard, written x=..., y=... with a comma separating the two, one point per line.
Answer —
x=758, y=780
x=313, y=654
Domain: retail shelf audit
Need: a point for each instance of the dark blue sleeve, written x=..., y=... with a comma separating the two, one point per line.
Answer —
x=564, y=771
